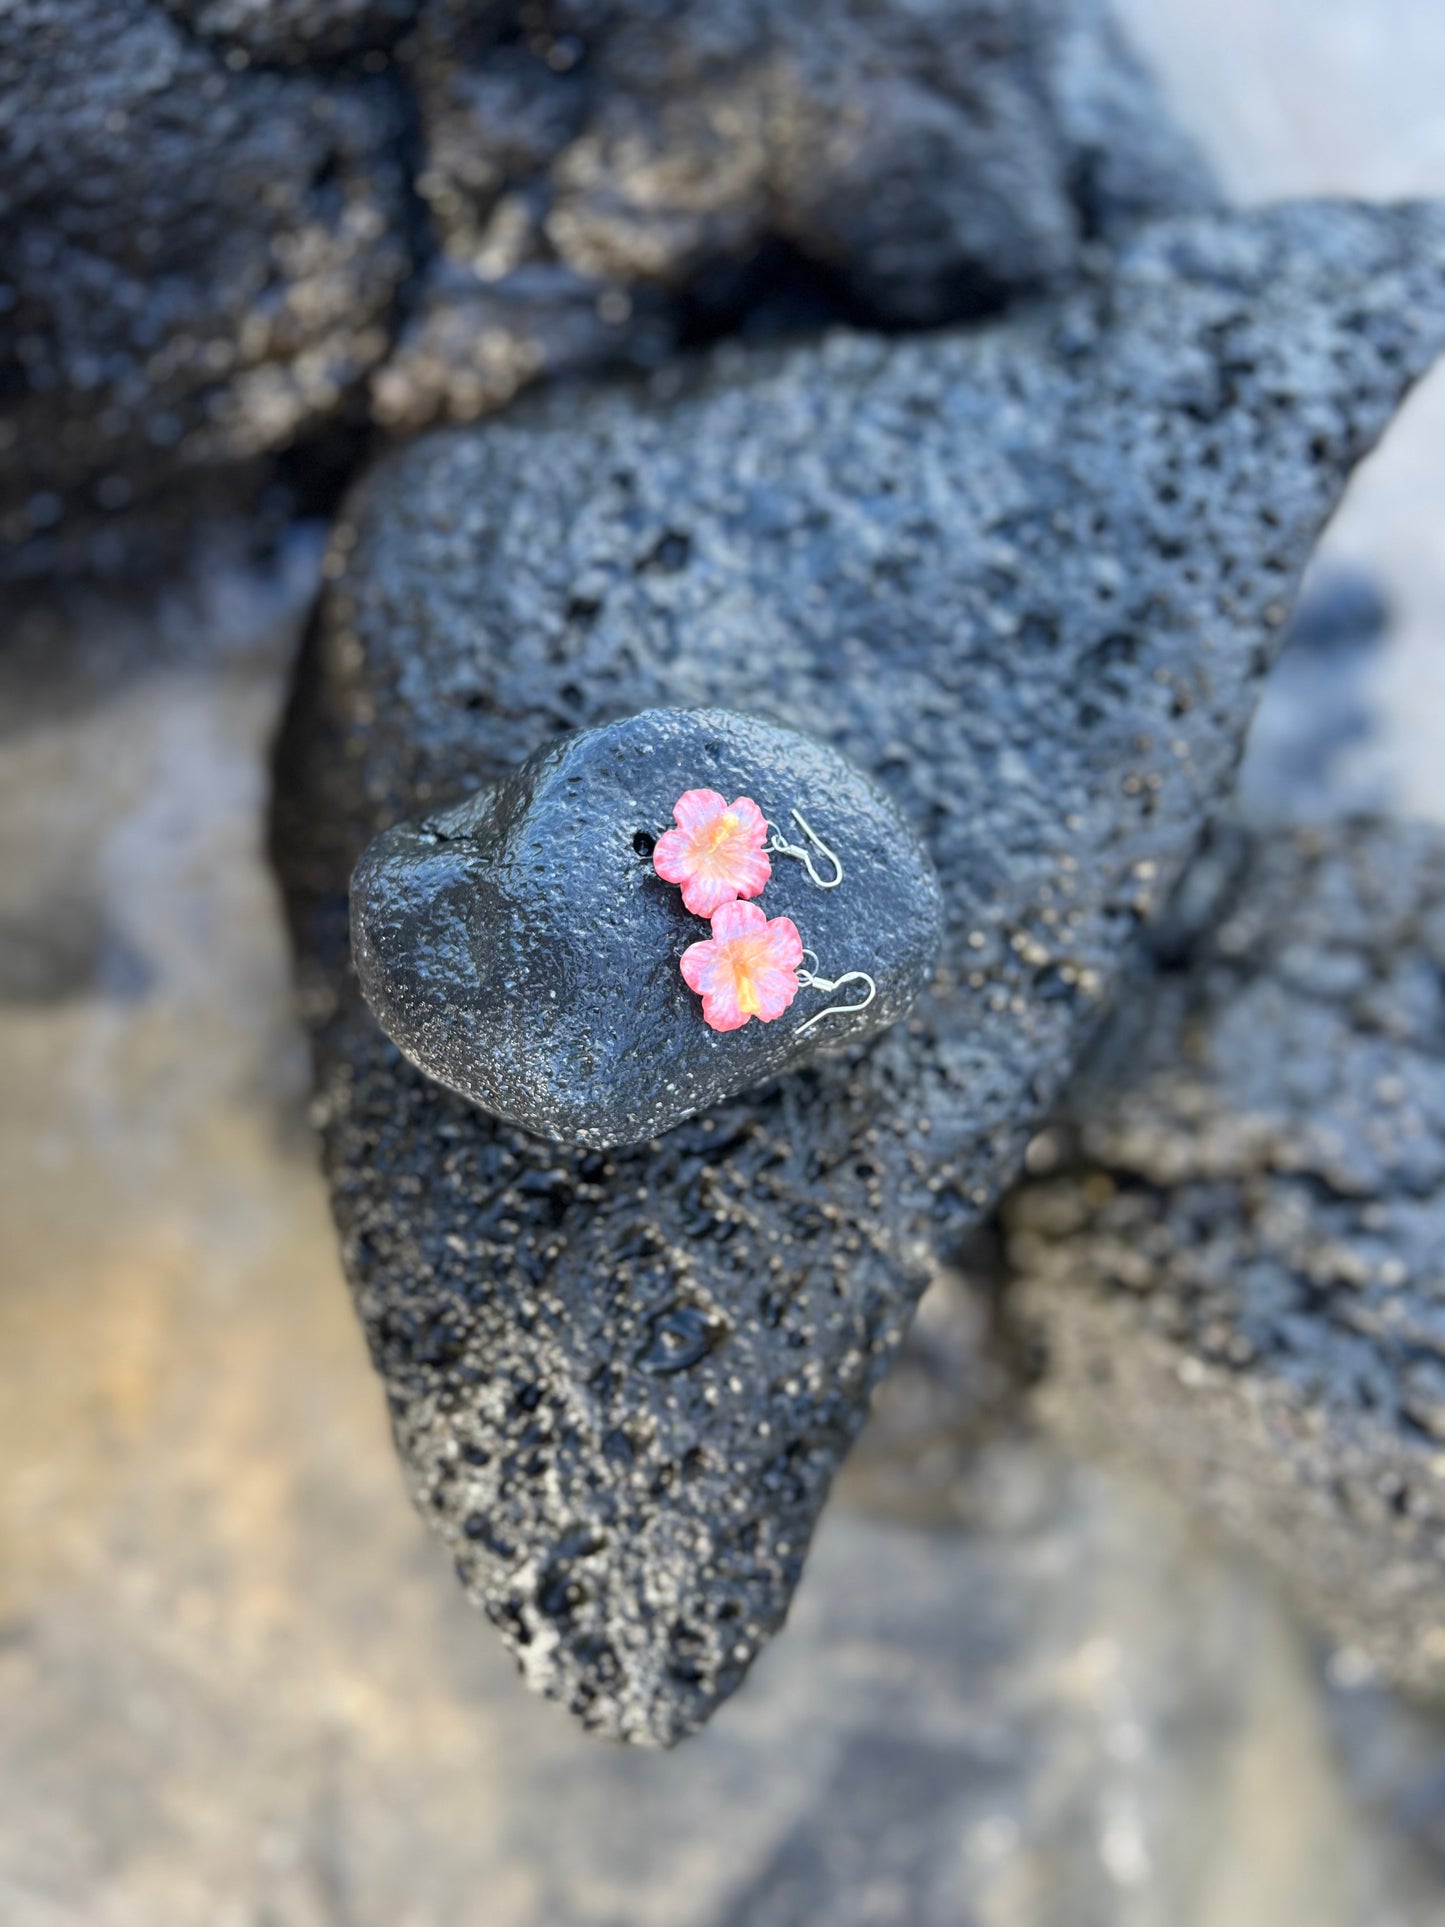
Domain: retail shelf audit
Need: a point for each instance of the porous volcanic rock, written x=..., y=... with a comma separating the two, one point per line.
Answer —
x=200, y=263
x=620, y=175
x=472, y=342
x=1029, y=577
x=262, y=221
x=290, y=32
x=918, y=152
x=522, y=949
x=1237, y=1275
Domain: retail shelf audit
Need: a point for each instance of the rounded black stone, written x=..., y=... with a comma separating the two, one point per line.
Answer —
x=521, y=949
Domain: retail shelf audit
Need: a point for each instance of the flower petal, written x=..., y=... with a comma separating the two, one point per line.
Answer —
x=703, y=893
x=696, y=965
x=784, y=944
x=722, y=1010
x=775, y=990
x=750, y=871
x=695, y=809
x=748, y=969
x=672, y=856
x=716, y=852
x=737, y=919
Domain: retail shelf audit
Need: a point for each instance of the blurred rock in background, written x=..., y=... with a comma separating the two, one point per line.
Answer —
x=201, y=265
x=253, y=230
x=286, y=33
x=1233, y=1266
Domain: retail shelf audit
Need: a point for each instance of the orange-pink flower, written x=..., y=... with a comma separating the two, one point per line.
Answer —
x=716, y=851
x=749, y=968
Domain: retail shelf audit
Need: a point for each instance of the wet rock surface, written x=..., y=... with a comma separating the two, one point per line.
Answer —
x=200, y=263
x=1027, y=577
x=521, y=948
x=1236, y=1278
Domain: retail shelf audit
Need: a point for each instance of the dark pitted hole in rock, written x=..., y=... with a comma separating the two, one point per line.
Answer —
x=529, y=962
x=979, y=459
x=670, y=554
x=680, y=1337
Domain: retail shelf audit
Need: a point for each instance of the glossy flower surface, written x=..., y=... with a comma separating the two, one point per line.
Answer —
x=749, y=967
x=716, y=851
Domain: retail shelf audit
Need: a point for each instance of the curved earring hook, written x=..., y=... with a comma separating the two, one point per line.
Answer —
x=808, y=980
x=779, y=845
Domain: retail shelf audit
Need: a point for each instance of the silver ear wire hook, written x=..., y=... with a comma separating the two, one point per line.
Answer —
x=779, y=845
x=809, y=980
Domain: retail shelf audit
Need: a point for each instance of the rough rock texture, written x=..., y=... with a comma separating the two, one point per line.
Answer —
x=1238, y=1278
x=522, y=949
x=289, y=32
x=914, y=163
x=205, y=252
x=1028, y=577
x=472, y=343
x=199, y=264
x=923, y=153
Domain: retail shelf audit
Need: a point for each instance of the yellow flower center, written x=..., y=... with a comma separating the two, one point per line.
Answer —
x=746, y=956
x=721, y=831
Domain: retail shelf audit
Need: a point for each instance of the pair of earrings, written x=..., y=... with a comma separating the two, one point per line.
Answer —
x=752, y=966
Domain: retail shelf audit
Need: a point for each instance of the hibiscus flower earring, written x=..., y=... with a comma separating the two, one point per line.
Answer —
x=752, y=965
x=717, y=852
x=721, y=850
x=749, y=967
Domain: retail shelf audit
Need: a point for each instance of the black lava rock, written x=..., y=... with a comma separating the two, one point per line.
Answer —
x=930, y=157
x=625, y=175
x=200, y=263
x=1234, y=1275
x=1030, y=578
x=522, y=949
x=258, y=222
x=287, y=33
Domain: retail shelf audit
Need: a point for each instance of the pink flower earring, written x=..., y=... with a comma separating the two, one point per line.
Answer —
x=752, y=965
x=716, y=852
x=720, y=850
x=748, y=968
